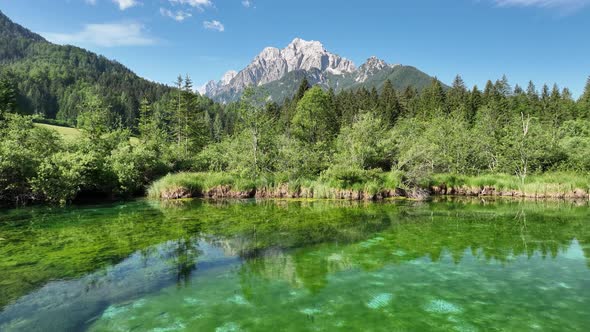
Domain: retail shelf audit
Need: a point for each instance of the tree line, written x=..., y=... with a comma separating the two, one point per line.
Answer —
x=346, y=138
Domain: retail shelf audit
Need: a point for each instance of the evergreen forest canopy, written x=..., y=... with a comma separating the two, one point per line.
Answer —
x=132, y=131
x=52, y=80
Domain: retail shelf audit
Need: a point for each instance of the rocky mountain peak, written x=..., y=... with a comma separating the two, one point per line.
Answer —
x=374, y=62
x=370, y=68
x=304, y=55
x=272, y=64
x=269, y=53
x=228, y=76
x=304, y=46
x=213, y=87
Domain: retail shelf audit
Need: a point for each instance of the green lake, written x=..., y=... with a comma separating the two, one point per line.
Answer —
x=450, y=265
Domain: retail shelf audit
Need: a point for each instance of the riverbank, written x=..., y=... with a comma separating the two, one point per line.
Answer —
x=548, y=185
x=219, y=185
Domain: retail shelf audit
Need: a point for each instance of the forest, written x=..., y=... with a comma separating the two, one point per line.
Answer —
x=366, y=140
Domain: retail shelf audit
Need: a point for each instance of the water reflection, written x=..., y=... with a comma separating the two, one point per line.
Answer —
x=110, y=257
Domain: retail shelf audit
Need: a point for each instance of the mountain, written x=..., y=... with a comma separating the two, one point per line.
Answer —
x=277, y=73
x=52, y=79
x=273, y=64
x=215, y=87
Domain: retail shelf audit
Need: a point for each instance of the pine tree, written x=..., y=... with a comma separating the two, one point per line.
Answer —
x=459, y=84
x=533, y=99
x=433, y=98
x=196, y=126
x=475, y=102
x=346, y=107
x=290, y=106
x=363, y=101
x=584, y=101
x=410, y=102
x=532, y=93
x=177, y=110
x=373, y=99
x=208, y=122
x=188, y=112
x=556, y=112
x=7, y=94
x=273, y=110
x=545, y=93
x=502, y=87
x=389, y=104
x=568, y=104
x=555, y=94
x=457, y=96
x=145, y=118
x=489, y=93
x=303, y=87
x=151, y=129
x=544, y=101
x=217, y=128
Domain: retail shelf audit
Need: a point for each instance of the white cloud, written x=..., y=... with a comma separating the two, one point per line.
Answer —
x=124, y=4
x=247, y=3
x=178, y=15
x=105, y=35
x=90, y=2
x=565, y=5
x=214, y=25
x=193, y=3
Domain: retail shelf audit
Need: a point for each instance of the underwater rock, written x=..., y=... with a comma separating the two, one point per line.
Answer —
x=380, y=301
x=310, y=311
x=442, y=307
x=238, y=299
x=228, y=327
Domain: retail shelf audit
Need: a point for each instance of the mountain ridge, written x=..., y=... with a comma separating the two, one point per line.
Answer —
x=274, y=67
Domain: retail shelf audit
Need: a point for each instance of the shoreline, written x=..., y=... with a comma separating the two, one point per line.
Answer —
x=420, y=194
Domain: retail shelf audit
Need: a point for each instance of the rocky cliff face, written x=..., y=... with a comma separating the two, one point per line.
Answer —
x=370, y=68
x=273, y=64
x=214, y=87
x=278, y=69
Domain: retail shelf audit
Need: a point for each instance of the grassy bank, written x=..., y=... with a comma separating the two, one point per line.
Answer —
x=369, y=186
x=214, y=185
x=557, y=184
x=187, y=184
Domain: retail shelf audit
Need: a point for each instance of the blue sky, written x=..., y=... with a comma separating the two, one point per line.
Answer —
x=541, y=40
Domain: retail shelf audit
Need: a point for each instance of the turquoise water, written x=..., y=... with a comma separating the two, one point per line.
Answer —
x=296, y=266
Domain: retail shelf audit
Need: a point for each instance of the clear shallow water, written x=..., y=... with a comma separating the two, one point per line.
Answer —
x=296, y=266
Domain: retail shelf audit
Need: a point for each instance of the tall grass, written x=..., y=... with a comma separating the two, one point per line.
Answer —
x=191, y=182
x=326, y=186
x=198, y=183
x=368, y=183
x=546, y=183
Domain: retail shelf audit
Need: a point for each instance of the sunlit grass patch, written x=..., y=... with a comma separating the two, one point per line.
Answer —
x=547, y=183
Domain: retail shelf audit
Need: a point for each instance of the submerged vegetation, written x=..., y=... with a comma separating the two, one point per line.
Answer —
x=131, y=265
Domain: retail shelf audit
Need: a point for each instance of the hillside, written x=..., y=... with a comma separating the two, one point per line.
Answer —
x=52, y=79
